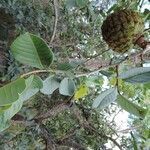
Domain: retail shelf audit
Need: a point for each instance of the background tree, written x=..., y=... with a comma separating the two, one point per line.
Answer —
x=74, y=102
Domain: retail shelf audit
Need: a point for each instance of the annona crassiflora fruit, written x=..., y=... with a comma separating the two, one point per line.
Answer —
x=121, y=29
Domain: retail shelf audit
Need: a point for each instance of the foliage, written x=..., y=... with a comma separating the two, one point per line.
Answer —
x=81, y=82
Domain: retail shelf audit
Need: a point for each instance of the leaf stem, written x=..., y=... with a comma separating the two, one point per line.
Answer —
x=117, y=79
x=56, y=20
x=40, y=71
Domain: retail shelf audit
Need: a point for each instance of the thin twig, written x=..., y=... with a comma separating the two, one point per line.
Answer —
x=41, y=71
x=92, y=57
x=111, y=64
x=34, y=72
x=95, y=56
x=56, y=20
x=130, y=129
x=146, y=30
x=68, y=135
x=117, y=79
x=50, y=141
x=53, y=112
x=72, y=144
x=141, y=4
x=85, y=124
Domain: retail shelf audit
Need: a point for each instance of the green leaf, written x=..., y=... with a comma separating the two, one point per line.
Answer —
x=70, y=4
x=50, y=84
x=105, y=98
x=67, y=87
x=3, y=108
x=81, y=92
x=146, y=87
x=10, y=92
x=136, y=75
x=106, y=73
x=7, y=114
x=134, y=142
x=33, y=85
x=112, y=8
x=131, y=107
x=65, y=66
x=31, y=50
x=82, y=3
x=146, y=14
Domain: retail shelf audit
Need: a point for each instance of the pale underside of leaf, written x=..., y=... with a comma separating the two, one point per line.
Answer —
x=131, y=107
x=50, y=85
x=7, y=114
x=136, y=75
x=33, y=85
x=67, y=87
x=105, y=98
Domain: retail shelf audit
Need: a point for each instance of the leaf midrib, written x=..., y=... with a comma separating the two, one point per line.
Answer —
x=35, y=50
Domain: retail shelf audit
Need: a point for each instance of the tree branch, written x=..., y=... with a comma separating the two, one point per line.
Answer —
x=85, y=124
x=56, y=20
x=50, y=143
x=53, y=112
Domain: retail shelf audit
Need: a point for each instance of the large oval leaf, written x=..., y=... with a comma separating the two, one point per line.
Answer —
x=10, y=92
x=31, y=50
x=50, y=85
x=67, y=87
x=105, y=98
x=136, y=75
x=131, y=107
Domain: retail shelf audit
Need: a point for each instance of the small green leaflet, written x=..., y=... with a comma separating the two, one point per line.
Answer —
x=64, y=66
x=134, y=142
x=32, y=50
x=131, y=107
x=68, y=65
x=76, y=3
x=7, y=114
x=81, y=92
x=50, y=84
x=67, y=87
x=70, y=4
x=105, y=98
x=136, y=75
x=10, y=92
x=33, y=85
x=146, y=14
x=114, y=7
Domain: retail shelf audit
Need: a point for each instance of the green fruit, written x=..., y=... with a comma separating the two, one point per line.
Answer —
x=121, y=28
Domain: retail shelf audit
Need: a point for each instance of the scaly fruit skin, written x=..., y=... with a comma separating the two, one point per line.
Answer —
x=121, y=28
